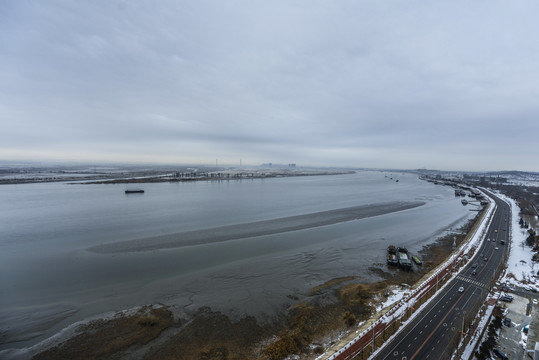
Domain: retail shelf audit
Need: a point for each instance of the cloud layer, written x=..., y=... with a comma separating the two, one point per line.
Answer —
x=355, y=83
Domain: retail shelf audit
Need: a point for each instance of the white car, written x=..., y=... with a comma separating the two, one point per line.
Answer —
x=534, y=301
x=496, y=248
x=461, y=289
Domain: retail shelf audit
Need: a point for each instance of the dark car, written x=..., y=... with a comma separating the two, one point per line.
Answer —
x=474, y=272
x=507, y=322
x=500, y=354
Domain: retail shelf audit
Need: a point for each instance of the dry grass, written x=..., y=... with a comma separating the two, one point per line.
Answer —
x=212, y=335
x=330, y=283
x=112, y=339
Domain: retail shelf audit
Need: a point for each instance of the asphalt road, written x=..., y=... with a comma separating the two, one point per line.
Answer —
x=436, y=331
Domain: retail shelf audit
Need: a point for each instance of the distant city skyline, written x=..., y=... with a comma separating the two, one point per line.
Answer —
x=448, y=86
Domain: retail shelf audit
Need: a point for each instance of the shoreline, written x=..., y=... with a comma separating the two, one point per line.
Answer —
x=219, y=176
x=306, y=328
x=136, y=177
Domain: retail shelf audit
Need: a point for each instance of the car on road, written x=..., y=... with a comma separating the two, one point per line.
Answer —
x=500, y=354
x=485, y=258
x=474, y=265
x=534, y=301
x=506, y=298
x=496, y=248
x=474, y=272
x=461, y=289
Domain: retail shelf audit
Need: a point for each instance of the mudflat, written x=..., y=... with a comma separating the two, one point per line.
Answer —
x=253, y=229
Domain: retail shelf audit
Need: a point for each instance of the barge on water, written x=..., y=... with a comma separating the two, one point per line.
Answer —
x=134, y=191
x=404, y=259
x=392, y=256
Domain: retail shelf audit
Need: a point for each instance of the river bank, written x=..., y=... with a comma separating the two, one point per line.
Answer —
x=235, y=174
x=305, y=329
x=125, y=174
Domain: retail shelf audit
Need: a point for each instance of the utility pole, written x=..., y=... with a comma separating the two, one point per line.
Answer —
x=373, y=336
x=462, y=329
x=454, y=248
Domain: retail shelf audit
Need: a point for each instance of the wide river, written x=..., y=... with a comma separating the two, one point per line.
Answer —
x=245, y=247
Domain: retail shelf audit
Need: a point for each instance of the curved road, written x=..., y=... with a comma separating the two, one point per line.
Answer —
x=435, y=332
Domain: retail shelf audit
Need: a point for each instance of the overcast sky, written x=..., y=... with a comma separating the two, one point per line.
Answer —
x=386, y=84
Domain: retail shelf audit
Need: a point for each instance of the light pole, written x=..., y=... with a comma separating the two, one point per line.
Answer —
x=462, y=329
x=454, y=248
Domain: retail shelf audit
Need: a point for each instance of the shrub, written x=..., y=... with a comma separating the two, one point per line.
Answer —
x=349, y=318
x=284, y=346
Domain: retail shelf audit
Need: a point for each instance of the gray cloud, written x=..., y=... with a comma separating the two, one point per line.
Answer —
x=384, y=84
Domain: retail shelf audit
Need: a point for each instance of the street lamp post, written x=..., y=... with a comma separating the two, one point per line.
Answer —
x=462, y=329
x=454, y=248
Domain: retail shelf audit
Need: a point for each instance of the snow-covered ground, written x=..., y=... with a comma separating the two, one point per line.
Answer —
x=477, y=336
x=396, y=294
x=520, y=268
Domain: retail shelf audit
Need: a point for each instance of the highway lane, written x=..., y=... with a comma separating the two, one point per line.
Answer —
x=435, y=332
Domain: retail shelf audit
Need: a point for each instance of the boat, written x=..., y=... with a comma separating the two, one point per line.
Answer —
x=417, y=260
x=134, y=191
x=460, y=192
x=464, y=202
x=392, y=255
x=403, y=258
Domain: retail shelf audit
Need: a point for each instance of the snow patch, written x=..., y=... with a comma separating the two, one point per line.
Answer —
x=520, y=267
